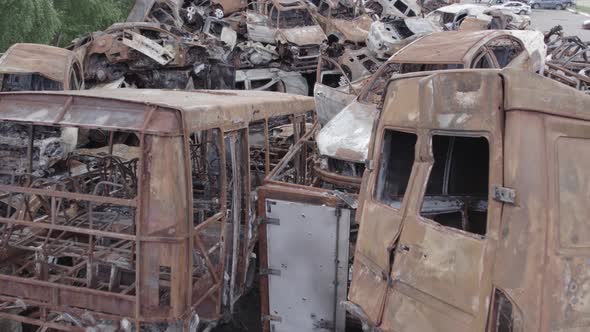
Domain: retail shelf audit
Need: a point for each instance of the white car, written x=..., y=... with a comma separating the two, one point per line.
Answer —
x=515, y=7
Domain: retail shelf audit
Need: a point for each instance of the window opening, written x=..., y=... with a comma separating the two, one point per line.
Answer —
x=206, y=174
x=81, y=180
x=457, y=189
x=399, y=5
x=505, y=50
x=397, y=158
x=483, y=61
x=505, y=316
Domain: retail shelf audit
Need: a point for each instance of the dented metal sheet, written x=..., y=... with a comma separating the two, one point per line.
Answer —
x=311, y=240
x=146, y=46
x=414, y=269
x=346, y=136
x=51, y=62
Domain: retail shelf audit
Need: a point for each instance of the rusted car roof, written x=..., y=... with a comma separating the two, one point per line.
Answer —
x=445, y=47
x=48, y=61
x=153, y=111
x=458, y=99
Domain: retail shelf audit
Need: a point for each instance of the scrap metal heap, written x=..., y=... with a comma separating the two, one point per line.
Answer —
x=264, y=45
x=569, y=59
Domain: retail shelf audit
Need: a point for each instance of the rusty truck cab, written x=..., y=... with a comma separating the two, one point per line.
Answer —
x=474, y=208
x=150, y=227
x=35, y=67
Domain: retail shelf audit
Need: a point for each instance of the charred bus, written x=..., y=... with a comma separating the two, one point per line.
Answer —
x=153, y=228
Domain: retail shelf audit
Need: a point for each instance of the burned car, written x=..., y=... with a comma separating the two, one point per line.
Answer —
x=359, y=63
x=272, y=79
x=150, y=55
x=474, y=203
x=388, y=36
x=397, y=8
x=151, y=233
x=342, y=23
x=183, y=14
x=34, y=67
x=343, y=141
x=451, y=17
x=290, y=26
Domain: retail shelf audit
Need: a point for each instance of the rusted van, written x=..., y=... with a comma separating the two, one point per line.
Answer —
x=474, y=208
x=154, y=232
x=40, y=67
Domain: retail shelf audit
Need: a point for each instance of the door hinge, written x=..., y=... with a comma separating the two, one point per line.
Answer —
x=272, y=318
x=505, y=195
x=272, y=272
x=269, y=221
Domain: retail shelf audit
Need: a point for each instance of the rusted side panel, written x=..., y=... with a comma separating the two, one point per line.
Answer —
x=423, y=270
x=528, y=91
x=523, y=224
x=566, y=294
x=166, y=214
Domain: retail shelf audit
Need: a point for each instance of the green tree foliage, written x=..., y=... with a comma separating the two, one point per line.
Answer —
x=57, y=21
x=79, y=17
x=27, y=21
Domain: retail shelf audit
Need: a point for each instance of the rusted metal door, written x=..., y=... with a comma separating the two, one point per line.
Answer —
x=333, y=90
x=441, y=272
x=307, y=248
x=566, y=273
x=382, y=213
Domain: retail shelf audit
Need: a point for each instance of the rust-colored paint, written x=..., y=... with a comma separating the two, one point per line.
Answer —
x=50, y=62
x=167, y=249
x=414, y=274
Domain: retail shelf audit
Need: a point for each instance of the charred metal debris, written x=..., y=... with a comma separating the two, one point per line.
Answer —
x=568, y=60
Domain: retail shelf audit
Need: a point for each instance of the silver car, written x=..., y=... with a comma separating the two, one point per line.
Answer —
x=515, y=7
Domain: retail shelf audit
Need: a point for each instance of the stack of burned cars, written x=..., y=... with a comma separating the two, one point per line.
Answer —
x=263, y=45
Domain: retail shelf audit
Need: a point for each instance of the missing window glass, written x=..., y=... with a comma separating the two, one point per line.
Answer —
x=457, y=189
x=505, y=316
x=397, y=158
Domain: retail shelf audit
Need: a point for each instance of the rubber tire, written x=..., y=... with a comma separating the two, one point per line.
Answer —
x=522, y=12
x=559, y=7
x=536, y=6
x=218, y=11
x=376, y=8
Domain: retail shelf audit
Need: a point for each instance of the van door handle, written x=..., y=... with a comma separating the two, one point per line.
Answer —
x=404, y=248
x=320, y=94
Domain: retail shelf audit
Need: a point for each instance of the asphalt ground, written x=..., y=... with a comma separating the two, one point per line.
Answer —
x=545, y=19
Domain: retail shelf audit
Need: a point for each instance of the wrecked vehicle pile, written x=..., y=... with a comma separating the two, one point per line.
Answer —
x=569, y=60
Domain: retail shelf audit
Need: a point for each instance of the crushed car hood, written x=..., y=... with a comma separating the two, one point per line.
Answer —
x=420, y=25
x=311, y=35
x=355, y=30
x=348, y=134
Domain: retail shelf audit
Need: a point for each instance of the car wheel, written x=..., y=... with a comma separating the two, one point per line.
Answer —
x=375, y=7
x=218, y=12
x=522, y=12
x=536, y=6
x=559, y=7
